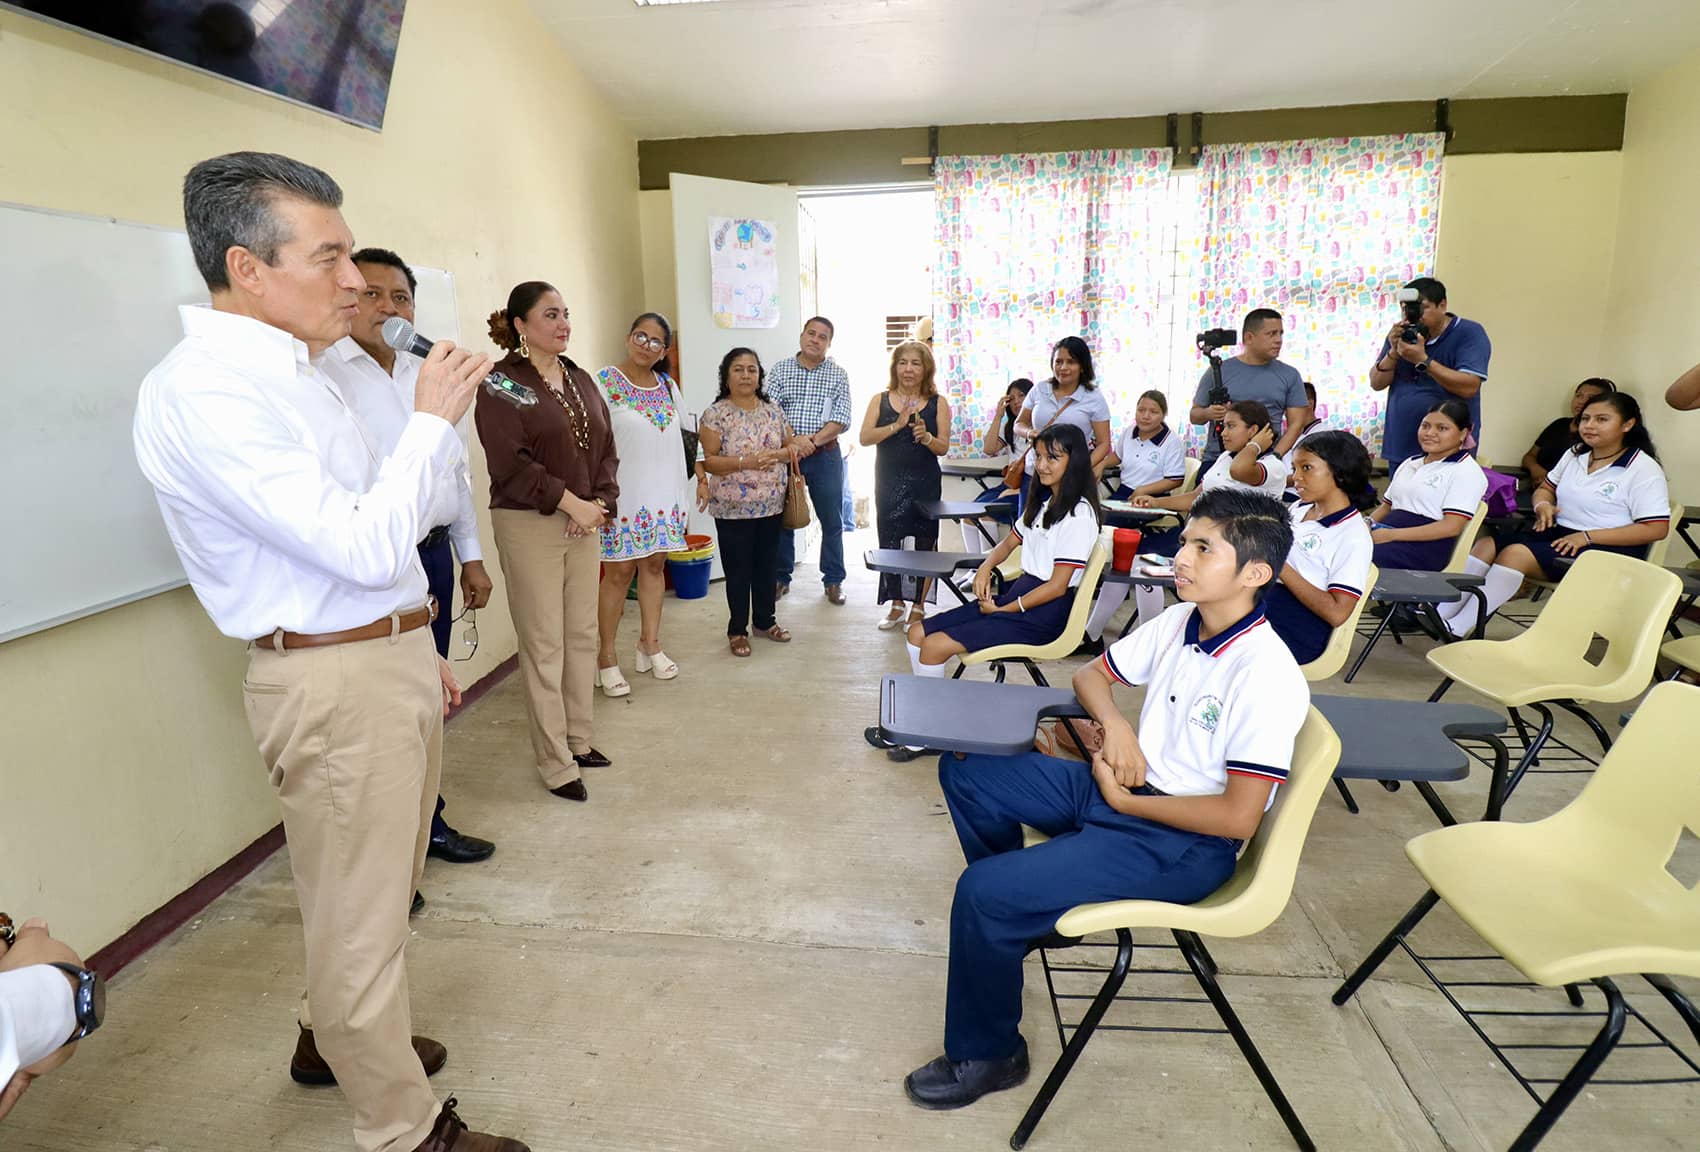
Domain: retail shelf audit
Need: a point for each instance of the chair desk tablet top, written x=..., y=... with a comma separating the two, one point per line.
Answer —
x=965, y=510
x=973, y=466
x=1404, y=739
x=909, y=562
x=968, y=715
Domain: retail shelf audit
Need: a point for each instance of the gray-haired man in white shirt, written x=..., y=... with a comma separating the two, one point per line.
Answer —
x=300, y=537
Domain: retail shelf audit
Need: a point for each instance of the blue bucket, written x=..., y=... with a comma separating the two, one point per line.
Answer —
x=690, y=577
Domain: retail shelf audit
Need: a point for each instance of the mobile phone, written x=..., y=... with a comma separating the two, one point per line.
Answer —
x=499, y=384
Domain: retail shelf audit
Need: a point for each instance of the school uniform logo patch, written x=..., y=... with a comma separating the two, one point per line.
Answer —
x=1207, y=713
x=1609, y=488
x=1311, y=543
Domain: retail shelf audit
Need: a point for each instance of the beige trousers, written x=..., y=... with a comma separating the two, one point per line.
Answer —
x=352, y=737
x=551, y=581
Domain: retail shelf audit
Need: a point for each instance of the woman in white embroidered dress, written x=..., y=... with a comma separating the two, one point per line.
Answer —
x=646, y=411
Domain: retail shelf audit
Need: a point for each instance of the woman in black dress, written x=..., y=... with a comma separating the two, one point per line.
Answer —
x=910, y=423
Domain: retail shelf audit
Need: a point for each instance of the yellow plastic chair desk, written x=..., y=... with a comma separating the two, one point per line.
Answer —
x=1684, y=653
x=1466, y=541
x=1190, y=481
x=1657, y=551
x=1074, y=629
x=1583, y=895
x=1248, y=903
x=1624, y=600
x=1333, y=657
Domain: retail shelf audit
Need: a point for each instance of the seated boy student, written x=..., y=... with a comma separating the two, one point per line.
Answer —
x=1157, y=815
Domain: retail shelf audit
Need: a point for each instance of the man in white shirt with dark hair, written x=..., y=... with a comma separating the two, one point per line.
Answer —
x=378, y=383
x=301, y=537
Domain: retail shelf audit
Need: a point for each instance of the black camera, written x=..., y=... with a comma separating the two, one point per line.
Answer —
x=1410, y=303
x=1213, y=338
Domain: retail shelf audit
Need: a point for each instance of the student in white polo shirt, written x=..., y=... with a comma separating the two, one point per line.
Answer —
x=1432, y=497
x=1056, y=531
x=1312, y=423
x=1327, y=572
x=1247, y=461
x=1607, y=493
x=1158, y=815
x=1152, y=458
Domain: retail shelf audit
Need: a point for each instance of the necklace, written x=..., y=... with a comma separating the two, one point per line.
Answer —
x=577, y=418
x=1596, y=461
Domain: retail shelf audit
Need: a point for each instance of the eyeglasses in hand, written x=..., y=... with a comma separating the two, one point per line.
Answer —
x=470, y=636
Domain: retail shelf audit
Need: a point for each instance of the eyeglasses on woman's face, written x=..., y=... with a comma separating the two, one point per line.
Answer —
x=649, y=343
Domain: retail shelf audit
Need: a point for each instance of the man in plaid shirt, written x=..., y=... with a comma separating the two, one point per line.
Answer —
x=814, y=394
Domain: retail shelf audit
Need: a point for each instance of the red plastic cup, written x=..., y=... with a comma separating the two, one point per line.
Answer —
x=1123, y=548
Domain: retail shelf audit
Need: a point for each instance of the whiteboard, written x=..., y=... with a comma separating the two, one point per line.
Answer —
x=88, y=305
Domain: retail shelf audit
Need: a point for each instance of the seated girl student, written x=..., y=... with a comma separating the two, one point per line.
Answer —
x=1057, y=530
x=1327, y=572
x=1310, y=424
x=1607, y=493
x=1247, y=461
x=1152, y=458
x=1157, y=815
x=1561, y=435
x=1432, y=497
x=999, y=441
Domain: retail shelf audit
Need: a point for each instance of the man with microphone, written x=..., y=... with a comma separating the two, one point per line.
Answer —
x=378, y=382
x=299, y=536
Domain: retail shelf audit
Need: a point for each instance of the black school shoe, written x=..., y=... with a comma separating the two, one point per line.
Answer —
x=944, y=1083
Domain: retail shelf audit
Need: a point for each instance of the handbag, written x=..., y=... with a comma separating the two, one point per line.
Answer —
x=687, y=435
x=796, y=500
x=1016, y=472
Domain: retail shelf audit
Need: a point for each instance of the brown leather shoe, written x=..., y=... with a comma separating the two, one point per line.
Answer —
x=308, y=1067
x=450, y=1134
x=835, y=594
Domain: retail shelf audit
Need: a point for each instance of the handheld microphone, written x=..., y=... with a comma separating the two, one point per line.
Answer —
x=400, y=335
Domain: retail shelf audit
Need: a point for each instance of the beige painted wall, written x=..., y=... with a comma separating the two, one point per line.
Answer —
x=660, y=275
x=1650, y=330
x=127, y=772
x=1525, y=248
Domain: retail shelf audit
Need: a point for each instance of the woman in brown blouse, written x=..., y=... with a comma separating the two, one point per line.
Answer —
x=552, y=468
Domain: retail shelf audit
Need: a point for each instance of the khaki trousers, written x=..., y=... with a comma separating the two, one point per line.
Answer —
x=551, y=580
x=352, y=737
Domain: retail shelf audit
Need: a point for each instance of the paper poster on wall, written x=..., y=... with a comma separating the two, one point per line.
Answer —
x=744, y=273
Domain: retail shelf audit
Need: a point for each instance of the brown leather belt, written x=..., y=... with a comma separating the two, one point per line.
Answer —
x=392, y=625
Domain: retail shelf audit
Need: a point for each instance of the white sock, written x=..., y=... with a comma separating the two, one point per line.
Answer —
x=935, y=671
x=1502, y=584
x=1110, y=597
x=972, y=541
x=1472, y=567
x=1149, y=601
x=914, y=659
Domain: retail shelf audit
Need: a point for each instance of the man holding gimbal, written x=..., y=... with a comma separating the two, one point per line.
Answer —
x=1257, y=373
x=1430, y=355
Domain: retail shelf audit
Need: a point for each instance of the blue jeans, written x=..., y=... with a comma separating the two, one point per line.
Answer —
x=1010, y=896
x=847, y=508
x=824, y=474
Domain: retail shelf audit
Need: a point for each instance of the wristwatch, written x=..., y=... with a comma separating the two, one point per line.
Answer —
x=89, y=998
x=1422, y=369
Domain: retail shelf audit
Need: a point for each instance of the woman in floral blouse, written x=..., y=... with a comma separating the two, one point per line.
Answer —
x=741, y=483
x=644, y=408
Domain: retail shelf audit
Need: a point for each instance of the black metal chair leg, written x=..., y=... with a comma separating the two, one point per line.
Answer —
x=1587, y=718
x=1574, y=993
x=1190, y=947
x=1522, y=727
x=1077, y=1044
x=1499, y=777
x=1440, y=690
x=1404, y=928
x=1579, y=1075
x=1532, y=754
x=1204, y=953
x=1683, y=1005
x=1374, y=639
x=1435, y=804
x=1038, y=676
x=1346, y=795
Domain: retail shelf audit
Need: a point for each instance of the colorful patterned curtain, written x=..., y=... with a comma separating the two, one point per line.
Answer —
x=1325, y=231
x=1036, y=247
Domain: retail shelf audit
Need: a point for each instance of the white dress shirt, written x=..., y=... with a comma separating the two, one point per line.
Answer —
x=384, y=403
x=36, y=1015
x=284, y=512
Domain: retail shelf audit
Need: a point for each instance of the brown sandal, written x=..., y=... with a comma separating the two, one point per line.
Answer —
x=740, y=645
x=780, y=633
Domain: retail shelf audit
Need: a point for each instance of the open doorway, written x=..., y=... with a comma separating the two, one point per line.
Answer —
x=872, y=276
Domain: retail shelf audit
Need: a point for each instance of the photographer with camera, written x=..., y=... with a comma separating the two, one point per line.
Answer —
x=1430, y=355
x=1257, y=373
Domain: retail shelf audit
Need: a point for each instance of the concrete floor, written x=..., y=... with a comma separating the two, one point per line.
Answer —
x=739, y=943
